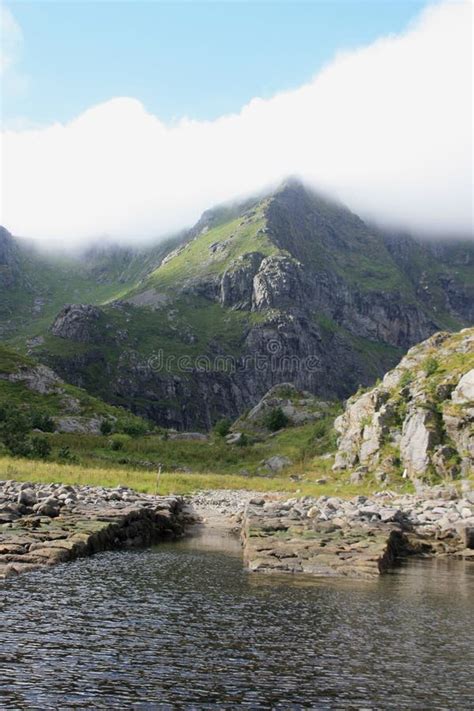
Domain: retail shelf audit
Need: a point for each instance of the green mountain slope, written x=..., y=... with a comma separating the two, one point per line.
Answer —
x=35, y=286
x=289, y=287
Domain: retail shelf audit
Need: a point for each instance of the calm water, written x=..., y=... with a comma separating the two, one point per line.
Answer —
x=179, y=626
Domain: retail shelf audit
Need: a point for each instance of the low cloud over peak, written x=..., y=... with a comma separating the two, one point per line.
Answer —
x=386, y=129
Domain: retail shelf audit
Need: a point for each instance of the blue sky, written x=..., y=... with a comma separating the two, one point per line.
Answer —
x=193, y=59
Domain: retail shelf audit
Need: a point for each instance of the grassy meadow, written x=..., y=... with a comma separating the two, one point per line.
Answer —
x=176, y=482
x=189, y=466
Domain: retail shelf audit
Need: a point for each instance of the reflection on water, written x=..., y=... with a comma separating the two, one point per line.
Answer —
x=183, y=626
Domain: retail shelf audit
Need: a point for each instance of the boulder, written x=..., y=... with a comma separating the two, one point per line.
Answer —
x=79, y=425
x=48, y=507
x=277, y=463
x=27, y=497
x=189, y=436
x=468, y=536
x=464, y=391
x=234, y=438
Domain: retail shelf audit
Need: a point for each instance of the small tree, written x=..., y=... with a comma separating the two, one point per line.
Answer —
x=41, y=421
x=14, y=428
x=65, y=455
x=276, y=419
x=134, y=428
x=222, y=427
x=118, y=441
x=243, y=440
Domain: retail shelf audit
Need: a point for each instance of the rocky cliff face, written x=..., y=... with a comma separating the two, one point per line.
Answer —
x=420, y=419
x=287, y=288
x=190, y=388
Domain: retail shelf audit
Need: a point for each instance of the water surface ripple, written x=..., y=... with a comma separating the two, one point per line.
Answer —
x=178, y=627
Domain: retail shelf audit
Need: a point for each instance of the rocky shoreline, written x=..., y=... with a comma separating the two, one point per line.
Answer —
x=45, y=524
x=361, y=537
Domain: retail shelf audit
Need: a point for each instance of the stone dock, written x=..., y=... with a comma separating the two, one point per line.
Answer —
x=326, y=536
x=47, y=524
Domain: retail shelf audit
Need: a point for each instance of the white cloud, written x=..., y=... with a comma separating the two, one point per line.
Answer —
x=387, y=128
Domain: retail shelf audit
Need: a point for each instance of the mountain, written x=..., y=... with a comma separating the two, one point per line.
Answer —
x=420, y=419
x=35, y=286
x=286, y=287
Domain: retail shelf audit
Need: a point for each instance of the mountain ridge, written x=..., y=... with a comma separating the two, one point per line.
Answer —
x=291, y=275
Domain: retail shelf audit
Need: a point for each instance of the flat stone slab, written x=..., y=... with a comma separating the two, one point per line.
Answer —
x=360, y=538
x=82, y=521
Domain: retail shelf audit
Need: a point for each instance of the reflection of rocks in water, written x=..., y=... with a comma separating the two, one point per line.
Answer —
x=207, y=536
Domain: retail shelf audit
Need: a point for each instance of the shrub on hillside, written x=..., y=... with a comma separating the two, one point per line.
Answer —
x=405, y=379
x=431, y=366
x=243, y=441
x=222, y=427
x=40, y=448
x=14, y=428
x=106, y=427
x=118, y=441
x=276, y=420
x=65, y=455
x=42, y=421
x=134, y=428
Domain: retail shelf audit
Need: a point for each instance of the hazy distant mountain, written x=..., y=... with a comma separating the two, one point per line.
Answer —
x=35, y=285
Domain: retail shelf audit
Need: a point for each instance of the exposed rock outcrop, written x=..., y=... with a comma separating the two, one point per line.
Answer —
x=278, y=283
x=420, y=418
x=298, y=406
x=79, y=322
x=38, y=378
x=237, y=284
x=45, y=398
